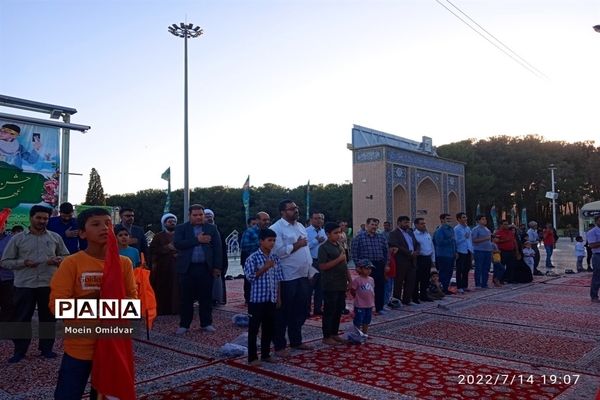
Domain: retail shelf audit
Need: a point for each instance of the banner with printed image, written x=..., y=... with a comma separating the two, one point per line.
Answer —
x=29, y=168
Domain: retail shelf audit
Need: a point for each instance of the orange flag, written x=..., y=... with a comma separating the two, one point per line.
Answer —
x=146, y=295
x=112, y=367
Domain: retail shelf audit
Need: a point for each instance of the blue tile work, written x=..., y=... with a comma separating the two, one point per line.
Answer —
x=434, y=176
x=368, y=155
x=445, y=192
x=413, y=194
x=389, y=191
x=424, y=161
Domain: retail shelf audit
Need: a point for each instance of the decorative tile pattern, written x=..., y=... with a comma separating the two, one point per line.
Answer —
x=368, y=155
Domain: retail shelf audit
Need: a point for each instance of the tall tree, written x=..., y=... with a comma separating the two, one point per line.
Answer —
x=95, y=192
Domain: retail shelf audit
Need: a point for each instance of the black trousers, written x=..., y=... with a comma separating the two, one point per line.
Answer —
x=26, y=299
x=196, y=284
x=7, y=306
x=262, y=315
x=316, y=291
x=423, y=274
x=536, y=257
x=378, y=274
x=334, y=303
x=463, y=266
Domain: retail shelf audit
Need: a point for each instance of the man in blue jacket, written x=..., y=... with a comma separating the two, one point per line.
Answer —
x=445, y=250
x=199, y=261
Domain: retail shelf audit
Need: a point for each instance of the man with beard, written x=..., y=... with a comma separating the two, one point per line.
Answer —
x=66, y=226
x=405, y=248
x=164, y=271
x=137, y=238
x=291, y=246
x=34, y=256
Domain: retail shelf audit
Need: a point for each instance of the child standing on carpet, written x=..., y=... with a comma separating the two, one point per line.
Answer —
x=580, y=252
x=528, y=255
x=497, y=262
x=263, y=270
x=335, y=280
x=363, y=290
x=80, y=277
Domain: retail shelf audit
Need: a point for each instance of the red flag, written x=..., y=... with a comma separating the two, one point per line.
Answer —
x=112, y=367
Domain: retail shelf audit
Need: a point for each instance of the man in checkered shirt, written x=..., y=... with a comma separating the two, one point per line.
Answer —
x=263, y=271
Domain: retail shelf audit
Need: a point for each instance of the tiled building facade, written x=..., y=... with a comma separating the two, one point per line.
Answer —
x=393, y=176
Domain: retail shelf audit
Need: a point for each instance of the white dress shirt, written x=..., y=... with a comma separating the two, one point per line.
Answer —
x=297, y=264
x=424, y=239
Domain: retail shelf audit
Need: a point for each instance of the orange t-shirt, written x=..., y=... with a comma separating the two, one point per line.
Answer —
x=80, y=275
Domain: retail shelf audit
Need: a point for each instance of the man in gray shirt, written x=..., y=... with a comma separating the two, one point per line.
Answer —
x=34, y=256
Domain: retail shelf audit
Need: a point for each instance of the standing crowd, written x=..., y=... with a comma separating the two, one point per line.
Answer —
x=290, y=270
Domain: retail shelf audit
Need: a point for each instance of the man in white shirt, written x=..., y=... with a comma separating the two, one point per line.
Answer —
x=425, y=260
x=291, y=247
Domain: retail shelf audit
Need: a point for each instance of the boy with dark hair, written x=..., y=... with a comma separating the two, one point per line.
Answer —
x=80, y=276
x=132, y=253
x=335, y=280
x=263, y=271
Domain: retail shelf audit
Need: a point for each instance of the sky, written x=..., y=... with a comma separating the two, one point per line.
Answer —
x=275, y=86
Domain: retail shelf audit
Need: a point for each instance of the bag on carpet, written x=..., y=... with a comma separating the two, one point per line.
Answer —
x=241, y=320
x=233, y=350
x=355, y=335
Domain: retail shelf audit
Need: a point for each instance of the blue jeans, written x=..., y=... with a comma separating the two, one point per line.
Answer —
x=445, y=267
x=595, y=286
x=549, y=251
x=72, y=379
x=362, y=316
x=388, y=290
x=499, y=270
x=483, y=260
x=292, y=314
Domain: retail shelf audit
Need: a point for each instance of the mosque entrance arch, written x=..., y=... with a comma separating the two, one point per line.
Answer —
x=429, y=204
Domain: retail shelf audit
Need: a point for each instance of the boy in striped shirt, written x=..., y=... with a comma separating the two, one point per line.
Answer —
x=263, y=271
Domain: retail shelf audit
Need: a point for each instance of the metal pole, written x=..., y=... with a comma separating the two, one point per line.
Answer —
x=552, y=168
x=64, y=162
x=186, y=182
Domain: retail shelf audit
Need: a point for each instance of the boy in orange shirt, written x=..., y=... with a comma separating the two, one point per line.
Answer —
x=80, y=276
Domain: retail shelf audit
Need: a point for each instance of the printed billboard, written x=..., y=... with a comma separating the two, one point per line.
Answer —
x=29, y=168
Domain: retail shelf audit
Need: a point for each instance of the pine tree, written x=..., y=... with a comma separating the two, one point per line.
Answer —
x=95, y=192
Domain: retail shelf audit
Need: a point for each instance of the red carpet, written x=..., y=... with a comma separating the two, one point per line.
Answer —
x=507, y=339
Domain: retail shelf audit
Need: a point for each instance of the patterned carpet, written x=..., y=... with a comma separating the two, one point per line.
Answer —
x=535, y=341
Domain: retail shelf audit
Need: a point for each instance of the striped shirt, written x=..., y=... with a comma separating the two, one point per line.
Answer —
x=263, y=288
x=372, y=247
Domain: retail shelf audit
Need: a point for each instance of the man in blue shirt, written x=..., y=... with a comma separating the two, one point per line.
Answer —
x=593, y=239
x=482, y=251
x=66, y=226
x=315, y=236
x=445, y=250
x=464, y=248
x=250, y=243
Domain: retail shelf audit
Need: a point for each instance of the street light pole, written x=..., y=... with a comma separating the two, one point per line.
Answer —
x=185, y=31
x=552, y=168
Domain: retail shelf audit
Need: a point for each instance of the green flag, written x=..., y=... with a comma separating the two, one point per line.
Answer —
x=166, y=175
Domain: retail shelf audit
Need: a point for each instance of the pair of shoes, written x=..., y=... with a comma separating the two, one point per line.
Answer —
x=49, y=354
x=467, y=289
x=181, y=330
x=331, y=342
x=537, y=272
x=345, y=311
x=387, y=308
x=270, y=360
x=381, y=312
x=255, y=363
x=16, y=358
x=339, y=339
x=208, y=328
x=595, y=300
x=426, y=299
x=416, y=301
x=461, y=291
x=302, y=346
